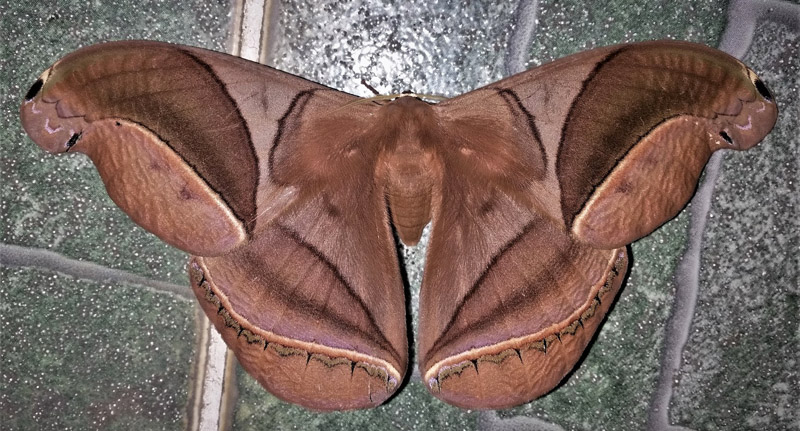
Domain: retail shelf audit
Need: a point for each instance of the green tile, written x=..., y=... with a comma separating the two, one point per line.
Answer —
x=570, y=26
x=744, y=323
x=78, y=355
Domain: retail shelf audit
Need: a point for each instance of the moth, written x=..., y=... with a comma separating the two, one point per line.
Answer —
x=290, y=196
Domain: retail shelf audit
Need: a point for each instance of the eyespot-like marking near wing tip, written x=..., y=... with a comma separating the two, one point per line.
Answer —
x=763, y=90
x=724, y=135
x=34, y=90
x=761, y=87
x=73, y=140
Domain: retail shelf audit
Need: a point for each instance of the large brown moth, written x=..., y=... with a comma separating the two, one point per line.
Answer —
x=289, y=195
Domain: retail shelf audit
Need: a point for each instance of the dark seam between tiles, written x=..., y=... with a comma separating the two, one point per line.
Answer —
x=26, y=257
x=522, y=37
x=490, y=420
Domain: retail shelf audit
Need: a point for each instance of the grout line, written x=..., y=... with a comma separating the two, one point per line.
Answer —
x=489, y=420
x=235, y=44
x=269, y=35
x=251, y=31
x=520, y=39
x=743, y=16
x=230, y=391
x=194, y=404
x=18, y=256
x=687, y=281
x=213, y=381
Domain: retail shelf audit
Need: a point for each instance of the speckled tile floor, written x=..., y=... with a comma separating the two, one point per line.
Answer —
x=100, y=332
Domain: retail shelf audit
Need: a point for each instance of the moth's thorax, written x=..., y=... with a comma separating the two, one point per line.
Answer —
x=408, y=164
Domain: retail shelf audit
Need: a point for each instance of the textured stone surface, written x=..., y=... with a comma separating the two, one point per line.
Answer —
x=81, y=355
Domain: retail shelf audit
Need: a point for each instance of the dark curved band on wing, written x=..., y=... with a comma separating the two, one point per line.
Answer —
x=383, y=341
x=513, y=101
x=293, y=114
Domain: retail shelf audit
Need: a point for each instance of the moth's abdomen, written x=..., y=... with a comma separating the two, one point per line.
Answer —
x=409, y=183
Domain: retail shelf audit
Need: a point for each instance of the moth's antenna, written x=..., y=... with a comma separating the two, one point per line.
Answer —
x=379, y=98
x=382, y=97
x=369, y=87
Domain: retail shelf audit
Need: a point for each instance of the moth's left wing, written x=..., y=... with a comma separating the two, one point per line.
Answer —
x=262, y=176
